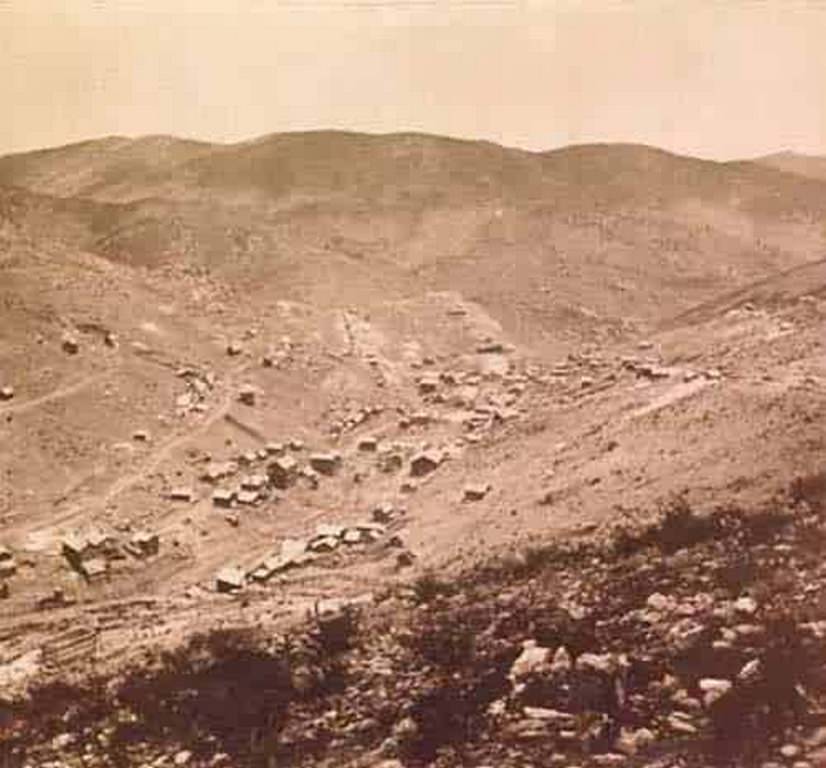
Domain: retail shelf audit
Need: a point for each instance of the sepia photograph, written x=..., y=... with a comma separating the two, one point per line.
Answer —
x=412, y=384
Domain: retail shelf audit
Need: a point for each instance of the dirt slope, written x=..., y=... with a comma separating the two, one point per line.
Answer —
x=496, y=347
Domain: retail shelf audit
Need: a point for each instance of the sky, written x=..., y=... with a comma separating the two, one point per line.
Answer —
x=717, y=79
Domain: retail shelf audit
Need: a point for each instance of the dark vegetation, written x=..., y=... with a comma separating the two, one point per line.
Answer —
x=424, y=677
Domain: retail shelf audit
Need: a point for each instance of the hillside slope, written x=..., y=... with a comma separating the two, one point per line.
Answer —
x=811, y=166
x=338, y=365
x=597, y=236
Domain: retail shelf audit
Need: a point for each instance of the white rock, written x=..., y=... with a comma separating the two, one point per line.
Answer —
x=745, y=604
x=562, y=661
x=603, y=663
x=63, y=740
x=790, y=750
x=659, y=602
x=750, y=671
x=714, y=689
x=533, y=658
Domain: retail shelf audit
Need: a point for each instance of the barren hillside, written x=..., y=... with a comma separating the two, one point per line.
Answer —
x=811, y=166
x=236, y=380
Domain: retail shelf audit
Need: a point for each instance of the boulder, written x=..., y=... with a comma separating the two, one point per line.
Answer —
x=714, y=689
x=562, y=661
x=532, y=660
x=6, y=393
x=599, y=663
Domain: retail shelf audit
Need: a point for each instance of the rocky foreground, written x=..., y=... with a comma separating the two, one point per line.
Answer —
x=699, y=639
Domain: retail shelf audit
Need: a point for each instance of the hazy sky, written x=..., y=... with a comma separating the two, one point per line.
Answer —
x=719, y=79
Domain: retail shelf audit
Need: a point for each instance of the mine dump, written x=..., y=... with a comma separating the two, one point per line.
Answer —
x=394, y=451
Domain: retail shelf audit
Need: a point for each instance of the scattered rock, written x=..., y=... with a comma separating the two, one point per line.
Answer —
x=679, y=722
x=601, y=663
x=562, y=661
x=532, y=660
x=747, y=605
x=632, y=742
x=750, y=671
x=714, y=689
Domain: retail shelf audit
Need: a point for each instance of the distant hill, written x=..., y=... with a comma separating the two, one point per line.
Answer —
x=403, y=169
x=550, y=243
x=812, y=166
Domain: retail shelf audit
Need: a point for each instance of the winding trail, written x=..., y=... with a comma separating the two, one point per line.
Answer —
x=54, y=395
